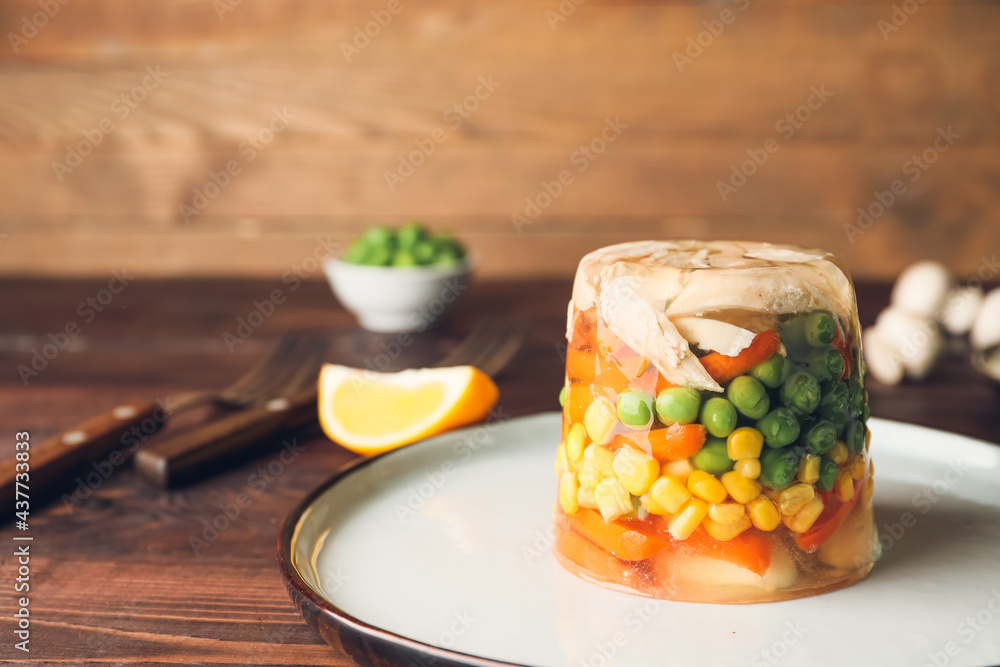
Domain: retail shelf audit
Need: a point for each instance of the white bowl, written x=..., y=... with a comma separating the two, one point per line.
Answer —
x=387, y=298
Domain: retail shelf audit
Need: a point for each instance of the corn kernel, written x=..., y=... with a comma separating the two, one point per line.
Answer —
x=726, y=513
x=706, y=487
x=585, y=496
x=669, y=494
x=568, y=487
x=651, y=506
x=742, y=490
x=588, y=477
x=844, y=486
x=598, y=418
x=576, y=440
x=795, y=497
x=612, y=499
x=749, y=468
x=599, y=458
x=839, y=453
x=858, y=467
x=679, y=469
x=635, y=470
x=763, y=514
x=869, y=489
x=726, y=531
x=688, y=519
x=562, y=462
x=744, y=443
x=806, y=517
x=808, y=469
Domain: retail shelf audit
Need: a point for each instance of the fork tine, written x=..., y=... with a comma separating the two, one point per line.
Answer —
x=307, y=370
x=502, y=355
x=249, y=381
x=287, y=369
x=471, y=344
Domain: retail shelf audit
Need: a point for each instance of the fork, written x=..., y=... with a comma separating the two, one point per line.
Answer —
x=129, y=424
x=203, y=450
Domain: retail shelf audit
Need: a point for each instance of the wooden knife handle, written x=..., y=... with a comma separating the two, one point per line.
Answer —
x=202, y=450
x=51, y=462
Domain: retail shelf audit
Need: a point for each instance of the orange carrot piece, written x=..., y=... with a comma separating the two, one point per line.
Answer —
x=832, y=516
x=678, y=441
x=592, y=558
x=750, y=549
x=581, y=365
x=723, y=368
x=625, y=540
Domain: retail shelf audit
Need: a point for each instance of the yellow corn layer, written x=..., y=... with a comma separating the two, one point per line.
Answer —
x=599, y=458
x=612, y=499
x=679, y=469
x=636, y=470
x=688, y=518
x=669, y=494
x=763, y=514
x=598, y=418
x=706, y=487
x=749, y=468
x=726, y=532
x=742, y=490
x=568, y=487
x=576, y=440
x=562, y=462
x=794, y=498
x=744, y=443
x=588, y=477
x=808, y=469
x=839, y=453
x=844, y=486
x=726, y=513
x=858, y=467
x=806, y=517
x=586, y=497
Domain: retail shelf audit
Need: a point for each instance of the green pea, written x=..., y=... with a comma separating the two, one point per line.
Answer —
x=379, y=255
x=423, y=251
x=380, y=236
x=779, y=427
x=856, y=398
x=801, y=393
x=825, y=364
x=749, y=396
x=562, y=397
x=357, y=252
x=834, y=401
x=446, y=249
x=855, y=436
x=866, y=413
x=404, y=258
x=713, y=457
x=827, y=474
x=719, y=416
x=410, y=234
x=820, y=329
x=635, y=408
x=771, y=372
x=821, y=437
x=778, y=468
x=678, y=405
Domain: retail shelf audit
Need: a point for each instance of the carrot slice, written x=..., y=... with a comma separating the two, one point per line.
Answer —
x=581, y=365
x=592, y=558
x=578, y=397
x=829, y=520
x=723, y=368
x=678, y=441
x=750, y=549
x=629, y=541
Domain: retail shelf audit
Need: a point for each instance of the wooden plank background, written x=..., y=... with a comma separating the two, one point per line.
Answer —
x=229, y=63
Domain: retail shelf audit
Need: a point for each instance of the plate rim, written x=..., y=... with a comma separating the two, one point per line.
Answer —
x=353, y=634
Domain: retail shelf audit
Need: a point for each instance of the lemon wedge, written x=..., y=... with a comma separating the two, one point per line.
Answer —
x=369, y=412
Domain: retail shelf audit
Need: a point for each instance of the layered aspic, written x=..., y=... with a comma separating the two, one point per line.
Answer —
x=714, y=443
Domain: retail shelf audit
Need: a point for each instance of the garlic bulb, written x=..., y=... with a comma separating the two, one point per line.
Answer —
x=986, y=329
x=881, y=357
x=918, y=340
x=960, y=309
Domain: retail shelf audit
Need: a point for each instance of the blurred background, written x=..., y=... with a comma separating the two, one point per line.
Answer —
x=234, y=137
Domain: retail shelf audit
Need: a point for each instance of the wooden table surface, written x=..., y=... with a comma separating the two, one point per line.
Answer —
x=114, y=577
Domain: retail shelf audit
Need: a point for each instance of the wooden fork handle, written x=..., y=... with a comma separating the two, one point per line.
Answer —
x=205, y=449
x=49, y=463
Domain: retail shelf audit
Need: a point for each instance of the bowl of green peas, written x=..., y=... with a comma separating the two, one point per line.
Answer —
x=401, y=279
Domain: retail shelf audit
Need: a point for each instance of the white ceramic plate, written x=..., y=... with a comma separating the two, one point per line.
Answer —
x=443, y=548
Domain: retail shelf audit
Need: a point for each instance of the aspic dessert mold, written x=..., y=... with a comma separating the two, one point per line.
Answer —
x=714, y=444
